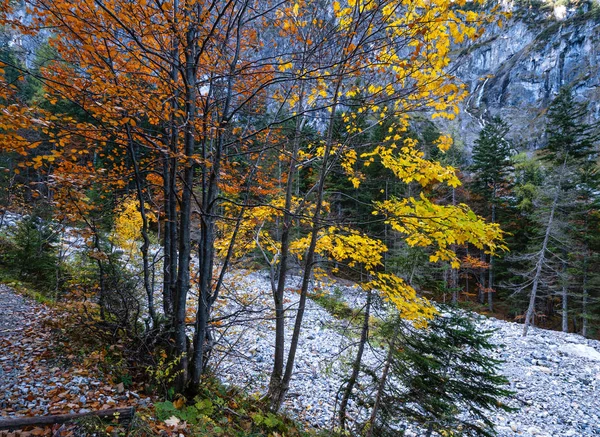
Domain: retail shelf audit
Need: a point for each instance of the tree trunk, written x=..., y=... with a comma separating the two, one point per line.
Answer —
x=209, y=215
x=453, y=272
x=481, y=295
x=278, y=392
x=491, y=265
x=380, y=390
x=277, y=372
x=114, y=414
x=146, y=239
x=584, y=302
x=356, y=365
x=542, y=254
x=169, y=188
x=185, y=251
x=564, y=295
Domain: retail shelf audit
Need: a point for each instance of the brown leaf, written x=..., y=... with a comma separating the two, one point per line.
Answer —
x=179, y=403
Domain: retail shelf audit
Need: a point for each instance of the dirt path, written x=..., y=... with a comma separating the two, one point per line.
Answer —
x=39, y=375
x=16, y=318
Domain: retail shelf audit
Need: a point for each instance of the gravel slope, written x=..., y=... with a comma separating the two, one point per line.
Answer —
x=556, y=376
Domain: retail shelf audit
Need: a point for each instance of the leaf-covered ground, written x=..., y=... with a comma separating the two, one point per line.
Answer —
x=41, y=373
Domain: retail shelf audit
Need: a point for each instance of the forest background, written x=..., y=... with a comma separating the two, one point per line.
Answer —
x=179, y=141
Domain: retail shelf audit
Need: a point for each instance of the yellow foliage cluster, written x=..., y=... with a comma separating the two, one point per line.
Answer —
x=128, y=224
x=345, y=245
x=426, y=224
x=404, y=297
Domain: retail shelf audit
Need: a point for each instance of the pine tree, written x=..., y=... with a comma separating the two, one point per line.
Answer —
x=491, y=172
x=448, y=380
x=570, y=149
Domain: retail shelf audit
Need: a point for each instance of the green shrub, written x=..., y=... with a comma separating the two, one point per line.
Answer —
x=31, y=253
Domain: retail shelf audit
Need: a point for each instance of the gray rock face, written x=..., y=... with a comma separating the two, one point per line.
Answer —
x=515, y=71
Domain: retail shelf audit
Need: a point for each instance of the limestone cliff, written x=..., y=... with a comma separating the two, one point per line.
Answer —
x=516, y=70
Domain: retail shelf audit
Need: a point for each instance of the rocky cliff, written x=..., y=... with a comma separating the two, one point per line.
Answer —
x=515, y=71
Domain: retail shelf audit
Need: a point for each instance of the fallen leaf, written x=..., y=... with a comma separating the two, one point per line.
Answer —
x=172, y=421
x=179, y=403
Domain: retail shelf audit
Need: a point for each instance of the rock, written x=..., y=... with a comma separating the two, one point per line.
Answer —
x=541, y=369
x=580, y=350
x=534, y=430
x=513, y=72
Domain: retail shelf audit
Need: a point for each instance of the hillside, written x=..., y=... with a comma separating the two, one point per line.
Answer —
x=555, y=376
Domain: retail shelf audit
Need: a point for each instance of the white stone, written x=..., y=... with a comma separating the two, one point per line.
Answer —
x=580, y=350
x=542, y=369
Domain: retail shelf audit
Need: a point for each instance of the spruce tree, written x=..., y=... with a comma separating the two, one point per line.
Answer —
x=491, y=158
x=443, y=379
x=570, y=138
x=491, y=172
x=570, y=150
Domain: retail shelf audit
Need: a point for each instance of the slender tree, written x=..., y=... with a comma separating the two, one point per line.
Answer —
x=570, y=145
x=491, y=174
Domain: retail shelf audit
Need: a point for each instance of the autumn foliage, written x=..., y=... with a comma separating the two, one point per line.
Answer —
x=215, y=126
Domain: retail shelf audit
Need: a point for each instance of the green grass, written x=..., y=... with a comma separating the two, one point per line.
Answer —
x=338, y=308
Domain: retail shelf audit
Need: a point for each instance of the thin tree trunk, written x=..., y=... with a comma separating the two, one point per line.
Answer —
x=183, y=273
x=542, y=254
x=481, y=294
x=278, y=393
x=584, y=303
x=364, y=334
x=564, y=295
x=453, y=271
x=277, y=372
x=208, y=225
x=380, y=390
x=146, y=239
x=491, y=265
x=169, y=188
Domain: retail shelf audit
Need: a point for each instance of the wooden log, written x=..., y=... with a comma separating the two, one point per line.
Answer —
x=22, y=422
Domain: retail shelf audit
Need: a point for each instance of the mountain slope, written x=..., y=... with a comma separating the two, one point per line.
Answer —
x=515, y=71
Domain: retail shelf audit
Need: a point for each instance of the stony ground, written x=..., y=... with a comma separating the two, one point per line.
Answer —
x=555, y=376
x=38, y=375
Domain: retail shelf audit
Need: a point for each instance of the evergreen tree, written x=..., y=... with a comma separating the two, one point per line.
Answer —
x=491, y=172
x=570, y=138
x=570, y=150
x=442, y=379
x=491, y=159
